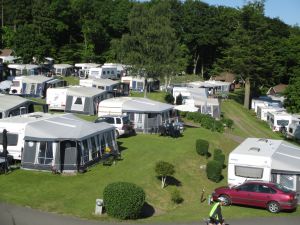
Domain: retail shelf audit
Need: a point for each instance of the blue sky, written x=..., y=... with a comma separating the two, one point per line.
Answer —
x=287, y=10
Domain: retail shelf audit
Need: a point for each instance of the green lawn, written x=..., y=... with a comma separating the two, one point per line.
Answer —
x=76, y=194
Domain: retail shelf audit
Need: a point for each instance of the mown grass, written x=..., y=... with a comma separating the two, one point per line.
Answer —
x=75, y=195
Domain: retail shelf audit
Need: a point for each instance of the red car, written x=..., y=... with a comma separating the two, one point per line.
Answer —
x=271, y=196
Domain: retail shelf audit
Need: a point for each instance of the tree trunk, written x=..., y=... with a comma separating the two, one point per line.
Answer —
x=247, y=93
x=163, y=181
x=196, y=59
x=145, y=88
x=202, y=69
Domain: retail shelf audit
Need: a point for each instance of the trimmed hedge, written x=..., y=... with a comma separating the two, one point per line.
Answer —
x=214, y=170
x=206, y=121
x=202, y=147
x=123, y=200
x=219, y=156
x=179, y=99
x=169, y=98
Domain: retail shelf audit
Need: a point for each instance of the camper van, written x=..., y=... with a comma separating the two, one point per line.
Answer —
x=279, y=120
x=267, y=160
x=83, y=69
x=137, y=83
x=104, y=72
x=15, y=127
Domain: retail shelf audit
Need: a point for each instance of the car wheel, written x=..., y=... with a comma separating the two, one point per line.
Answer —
x=227, y=200
x=273, y=207
x=117, y=134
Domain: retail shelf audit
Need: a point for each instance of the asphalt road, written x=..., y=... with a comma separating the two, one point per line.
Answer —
x=16, y=215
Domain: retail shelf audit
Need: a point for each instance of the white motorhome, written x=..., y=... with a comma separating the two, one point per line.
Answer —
x=262, y=111
x=104, y=72
x=15, y=127
x=293, y=130
x=278, y=120
x=267, y=160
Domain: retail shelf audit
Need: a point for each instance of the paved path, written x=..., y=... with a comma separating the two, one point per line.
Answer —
x=16, y=215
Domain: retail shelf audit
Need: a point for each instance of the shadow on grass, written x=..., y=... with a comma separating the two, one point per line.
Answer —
x=171, y=181
x=147, y=211
x=121, y=148
x=237, y=96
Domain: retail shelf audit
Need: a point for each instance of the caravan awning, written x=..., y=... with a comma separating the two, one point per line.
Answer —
x=65, y=127
x=145, y=105
x=286, y=160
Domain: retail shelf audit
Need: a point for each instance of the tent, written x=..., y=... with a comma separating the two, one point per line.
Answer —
x=147, y=115
x=84, y=99
x=66, y=143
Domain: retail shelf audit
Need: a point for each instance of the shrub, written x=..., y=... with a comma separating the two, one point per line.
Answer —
x=123, y=200
x=183, y=114
x=202, y=147
x=227, y=122
x=214, y=170
x=169, y=98
x=176, y=196
x=179, y=99
x=219, y=156
x=164, y=169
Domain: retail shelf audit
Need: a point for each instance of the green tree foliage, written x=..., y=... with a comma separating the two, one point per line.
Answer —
x=214, y=170
x=164, y=169
x=292, y=94
x=151, y=46
x=123, y=200
x=202, y=147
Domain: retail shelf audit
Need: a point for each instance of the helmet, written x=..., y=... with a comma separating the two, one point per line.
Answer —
x=221, y=199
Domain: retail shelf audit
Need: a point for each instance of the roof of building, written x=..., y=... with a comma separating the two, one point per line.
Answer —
x=6, y=52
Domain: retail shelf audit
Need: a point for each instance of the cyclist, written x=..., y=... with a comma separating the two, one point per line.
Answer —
x=215, y=215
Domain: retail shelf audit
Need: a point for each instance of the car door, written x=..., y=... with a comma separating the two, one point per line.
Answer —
x=263, y=195
x=244, y=194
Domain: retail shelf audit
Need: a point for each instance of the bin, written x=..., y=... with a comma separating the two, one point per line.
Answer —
x=99, y=207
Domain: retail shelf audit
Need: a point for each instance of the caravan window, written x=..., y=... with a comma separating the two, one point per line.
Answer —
x=94, y=147
x=282, y=122
x=12, y=139
x=85, y=151
x=249, y=172
x=45, y=156
x=78, y=101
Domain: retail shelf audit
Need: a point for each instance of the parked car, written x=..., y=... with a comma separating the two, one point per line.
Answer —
x=121, y=123
x=274, y=197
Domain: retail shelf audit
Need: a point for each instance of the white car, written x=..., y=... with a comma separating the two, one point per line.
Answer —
x=121, y=123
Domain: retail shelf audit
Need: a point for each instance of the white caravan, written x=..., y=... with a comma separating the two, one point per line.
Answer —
x=278, y=120
x=262, y=111
x=267, y=160
x=83, y=68
x=293, y=130
x=15, y=127
x=104, y=72
x=56, y=98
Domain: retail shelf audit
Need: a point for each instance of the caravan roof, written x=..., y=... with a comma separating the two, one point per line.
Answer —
x=10, y=101
x=84, y=91
x=36, y=79
x=134, y=104
x=64, y=127
x=283, y=155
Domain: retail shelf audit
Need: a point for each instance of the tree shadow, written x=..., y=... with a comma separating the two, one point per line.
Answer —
x=237, y=96
x=171, y=181
x=147, y=210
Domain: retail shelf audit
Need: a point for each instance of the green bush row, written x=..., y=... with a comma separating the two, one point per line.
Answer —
x=206, y=121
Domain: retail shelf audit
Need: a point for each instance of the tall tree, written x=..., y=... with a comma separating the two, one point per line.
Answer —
x=151, y=46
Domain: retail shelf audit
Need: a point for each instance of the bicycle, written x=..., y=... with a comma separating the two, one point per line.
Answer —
x=206, y=220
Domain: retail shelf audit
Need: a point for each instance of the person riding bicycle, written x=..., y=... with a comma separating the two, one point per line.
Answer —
x=215, y=215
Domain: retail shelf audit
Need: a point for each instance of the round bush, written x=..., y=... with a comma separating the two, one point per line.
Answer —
x=176, y=196
x=123, y=200
x=214, y=170
x=169, y=98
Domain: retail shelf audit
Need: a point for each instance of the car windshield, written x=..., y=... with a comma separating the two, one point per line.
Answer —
x=282, y=188
x=126, y=120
